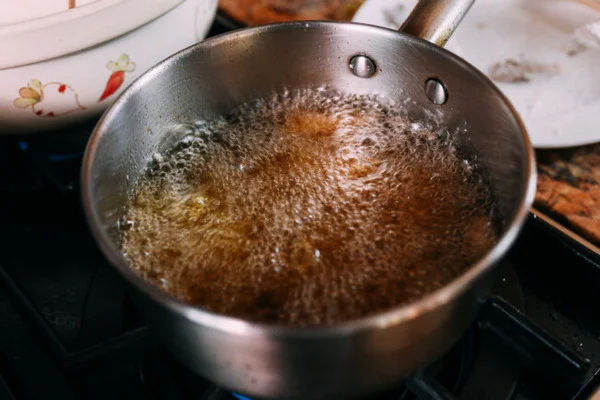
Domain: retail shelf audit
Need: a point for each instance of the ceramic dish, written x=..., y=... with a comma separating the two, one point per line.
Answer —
x=540, y=53
x=41, y=93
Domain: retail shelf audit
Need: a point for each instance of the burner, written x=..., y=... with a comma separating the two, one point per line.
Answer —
x=16, y=172
x=48, y=160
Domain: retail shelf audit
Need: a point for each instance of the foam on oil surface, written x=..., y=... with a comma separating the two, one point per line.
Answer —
x=306, y=209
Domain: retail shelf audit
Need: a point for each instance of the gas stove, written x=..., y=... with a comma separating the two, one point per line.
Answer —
x=68, y=328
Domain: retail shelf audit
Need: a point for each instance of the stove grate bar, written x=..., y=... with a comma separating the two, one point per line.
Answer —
x=5, y=392
x=538, y=350
x=426, y=388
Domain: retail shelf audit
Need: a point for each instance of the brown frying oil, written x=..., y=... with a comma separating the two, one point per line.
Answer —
x=307, y=209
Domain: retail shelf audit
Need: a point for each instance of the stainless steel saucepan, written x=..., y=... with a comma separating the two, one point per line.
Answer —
x=350, y=359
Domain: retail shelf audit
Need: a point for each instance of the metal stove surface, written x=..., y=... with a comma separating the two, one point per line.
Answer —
x=68, y=329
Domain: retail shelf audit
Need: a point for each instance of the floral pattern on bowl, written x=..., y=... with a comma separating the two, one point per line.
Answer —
x=116, y=79
x=70, y=90
x=62, y=98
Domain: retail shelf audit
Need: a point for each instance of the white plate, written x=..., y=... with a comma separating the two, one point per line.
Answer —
x=560, y=100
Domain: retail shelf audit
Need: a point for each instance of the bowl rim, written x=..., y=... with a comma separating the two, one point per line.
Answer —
x=51, y=36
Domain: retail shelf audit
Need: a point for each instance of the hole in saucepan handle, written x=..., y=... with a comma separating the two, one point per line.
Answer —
x=362, y=66
x=436, y=91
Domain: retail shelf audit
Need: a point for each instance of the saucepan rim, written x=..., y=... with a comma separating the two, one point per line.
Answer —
x=223, y=323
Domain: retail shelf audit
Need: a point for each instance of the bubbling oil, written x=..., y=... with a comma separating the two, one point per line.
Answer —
x=307, y=208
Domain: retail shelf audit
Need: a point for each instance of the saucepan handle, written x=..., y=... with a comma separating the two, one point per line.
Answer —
x=436, y=20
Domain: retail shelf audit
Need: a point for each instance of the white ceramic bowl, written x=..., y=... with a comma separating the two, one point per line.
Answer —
x=54, y=93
